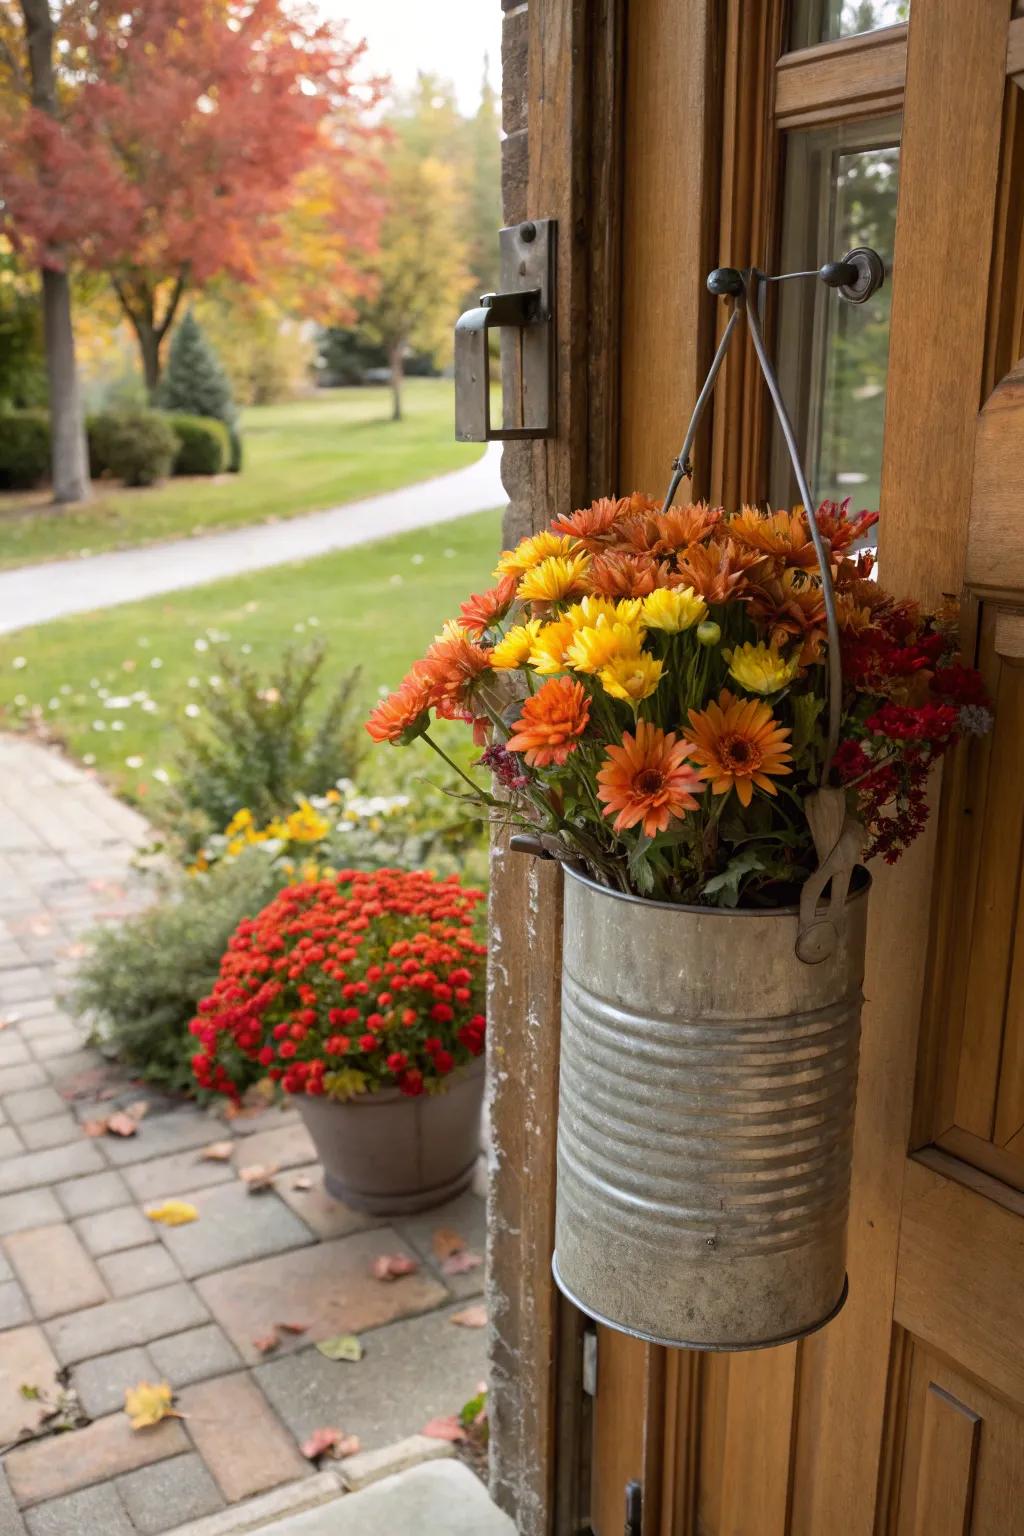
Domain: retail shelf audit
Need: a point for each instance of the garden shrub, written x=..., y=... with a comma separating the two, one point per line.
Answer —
x=24, y=449
x=195, y=384
x=137, y=447
x=262, y=741
x=203, y=445
x=144, y=978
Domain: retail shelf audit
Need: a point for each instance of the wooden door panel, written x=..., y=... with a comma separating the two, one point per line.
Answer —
x=958, y=1454
x=961, y=1257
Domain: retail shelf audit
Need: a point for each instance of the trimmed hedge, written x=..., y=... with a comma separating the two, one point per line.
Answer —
x=137, y=447
x=203, y=445
x=24, y=449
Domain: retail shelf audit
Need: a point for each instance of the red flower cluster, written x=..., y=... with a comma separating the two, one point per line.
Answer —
x=349, y=985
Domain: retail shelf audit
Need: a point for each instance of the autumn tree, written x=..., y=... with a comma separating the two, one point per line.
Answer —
x=174, y=143
x=420, y=270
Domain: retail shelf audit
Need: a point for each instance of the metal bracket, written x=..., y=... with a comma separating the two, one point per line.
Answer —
x=524, y=308
x=634, y=1509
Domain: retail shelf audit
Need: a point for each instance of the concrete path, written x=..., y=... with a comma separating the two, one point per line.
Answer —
x=91, y=1289
x=37, y=593
x=442, y=1498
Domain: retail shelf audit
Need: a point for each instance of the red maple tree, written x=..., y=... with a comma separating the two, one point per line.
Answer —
x=190, y=139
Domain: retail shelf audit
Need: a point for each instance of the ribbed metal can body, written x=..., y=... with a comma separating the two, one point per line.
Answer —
x=707, y=1088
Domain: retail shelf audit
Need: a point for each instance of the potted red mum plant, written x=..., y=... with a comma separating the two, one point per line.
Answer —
x=362, y=997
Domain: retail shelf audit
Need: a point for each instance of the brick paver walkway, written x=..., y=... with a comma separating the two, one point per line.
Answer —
x=95, y=1295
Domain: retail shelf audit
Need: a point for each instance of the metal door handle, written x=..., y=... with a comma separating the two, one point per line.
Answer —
x=525, y=306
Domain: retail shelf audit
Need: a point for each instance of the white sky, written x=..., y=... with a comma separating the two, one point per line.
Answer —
x=443, y=37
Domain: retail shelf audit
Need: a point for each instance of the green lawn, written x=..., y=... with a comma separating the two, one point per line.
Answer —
x=336, y=446
x=113, y=685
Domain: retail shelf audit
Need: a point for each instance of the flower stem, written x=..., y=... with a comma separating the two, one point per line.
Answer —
x=453, y=765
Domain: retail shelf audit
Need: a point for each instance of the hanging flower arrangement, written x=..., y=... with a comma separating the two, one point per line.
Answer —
x=650, y=691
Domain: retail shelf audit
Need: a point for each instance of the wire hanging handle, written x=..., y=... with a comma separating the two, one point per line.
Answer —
x=859, y=275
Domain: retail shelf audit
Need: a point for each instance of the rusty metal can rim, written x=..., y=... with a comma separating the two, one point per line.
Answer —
x=730, y=1348
x=859, y=889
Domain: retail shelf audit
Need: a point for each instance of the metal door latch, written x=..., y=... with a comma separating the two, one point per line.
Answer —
x=525, y=310
x=634, y=1509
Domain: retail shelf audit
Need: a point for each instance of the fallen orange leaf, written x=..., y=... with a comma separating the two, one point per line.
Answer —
x=333, y=1442
x=258, y=1178
x=444, y=1429
x=460, y=1263
x=121, y=1123
x=446, y=1243
x=294, y=1327
x=470, y=1317
x=267, y=1342
x=217, y=1152
x=391, y=1266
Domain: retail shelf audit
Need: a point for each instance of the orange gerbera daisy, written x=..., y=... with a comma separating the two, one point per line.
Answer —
x=648, y=779
x=404, y=713
x=626, y=575
x=454, y=663
x=739, y=744
x=485, y=609
x=551, y=723
x=839, y=529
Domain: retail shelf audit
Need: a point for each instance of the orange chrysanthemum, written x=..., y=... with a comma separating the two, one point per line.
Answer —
x=485, y=609
x=791, y=606
x=453, y=664
x=626, y=575
x=648, y=779
x=718, y=571
x=592, y=525
x=784, y=535
x=740, y=745
x=663, y=533
x=551, y=723
x=839, y=529
x=403, y=712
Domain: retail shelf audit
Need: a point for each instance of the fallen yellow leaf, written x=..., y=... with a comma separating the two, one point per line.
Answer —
x=173, y=1213
x=148, y=1403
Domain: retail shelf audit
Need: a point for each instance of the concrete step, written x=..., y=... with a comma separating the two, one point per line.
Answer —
x=433, y=1498
x=438, y=1498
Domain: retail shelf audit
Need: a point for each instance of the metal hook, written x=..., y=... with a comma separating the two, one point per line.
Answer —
x=859, y=275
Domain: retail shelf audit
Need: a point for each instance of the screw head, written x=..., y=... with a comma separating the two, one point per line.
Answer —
x=528, y=231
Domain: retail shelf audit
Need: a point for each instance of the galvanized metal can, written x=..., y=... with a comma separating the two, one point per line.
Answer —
x=707, y=1088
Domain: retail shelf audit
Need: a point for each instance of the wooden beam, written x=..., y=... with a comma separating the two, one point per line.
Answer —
x=861, y=76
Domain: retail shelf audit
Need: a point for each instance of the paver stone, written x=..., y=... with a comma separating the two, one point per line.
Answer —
x=60, y=1464
x=239, y=1437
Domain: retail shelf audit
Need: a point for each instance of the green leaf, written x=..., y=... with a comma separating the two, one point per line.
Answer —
x=724, y=888
x=345, y=1347
x=807, y=708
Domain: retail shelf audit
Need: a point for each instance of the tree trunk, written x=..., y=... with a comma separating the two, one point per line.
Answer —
x=397, y=374
x=67, y=428
x=139, y=302
x=68, y=446
x=149, y=346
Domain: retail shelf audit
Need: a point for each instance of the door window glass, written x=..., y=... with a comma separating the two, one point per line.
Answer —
x=822, y=21
x=840, y=192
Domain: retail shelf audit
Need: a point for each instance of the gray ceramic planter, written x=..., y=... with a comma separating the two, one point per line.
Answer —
x=389, y=1154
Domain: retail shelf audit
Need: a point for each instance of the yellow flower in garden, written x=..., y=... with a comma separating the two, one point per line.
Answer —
x=632, y=677
x=554, y=579
x=759, y=668
x=235, y=846
x=549, y=649
x=514, y=650
x=594, y=648
x=673, y=609
x=307, y=825
x=239, y=822
x=531, y=551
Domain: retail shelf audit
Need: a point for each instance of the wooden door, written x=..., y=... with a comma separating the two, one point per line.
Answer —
x=669, y=136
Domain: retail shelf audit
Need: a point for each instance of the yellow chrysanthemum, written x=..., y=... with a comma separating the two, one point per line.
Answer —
x=760, y=669
x=598, y=646
x=549, y=649
x=594, y=609
x=531, y=551
x=673, y=609
x=632, y=678
x=554, y=579
x=514, y=650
